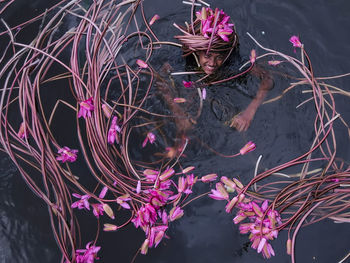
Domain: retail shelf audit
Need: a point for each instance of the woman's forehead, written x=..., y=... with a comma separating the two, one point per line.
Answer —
x=213, y=53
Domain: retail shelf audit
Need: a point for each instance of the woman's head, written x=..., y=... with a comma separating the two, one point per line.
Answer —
x=211, y=37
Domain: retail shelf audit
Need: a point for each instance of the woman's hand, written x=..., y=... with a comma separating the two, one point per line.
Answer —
x=242, y=121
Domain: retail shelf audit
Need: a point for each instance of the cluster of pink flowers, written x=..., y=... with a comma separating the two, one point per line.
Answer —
x=208, y=17
x=153, y=217
x=87, y=255
x=262, y=222
x=261, y=226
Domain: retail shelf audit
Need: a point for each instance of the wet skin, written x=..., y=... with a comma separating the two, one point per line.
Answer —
x=212, y=61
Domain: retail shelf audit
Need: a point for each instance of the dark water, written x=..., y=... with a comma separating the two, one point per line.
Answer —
x=206, y=233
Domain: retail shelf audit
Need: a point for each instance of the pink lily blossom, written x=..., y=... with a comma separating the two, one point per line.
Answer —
x=149, y=138
x=209, y=178
x=250, y=146
x=144, y=247
x=113, y=130
x=67, y=155
x=191, y=180
x=274, y=62
x=87, y=255
x=122, y=201
x=97, y=210
x=179, y=100
x=220, y=193
x=187, y=84
x=141, y=63
x=169, y=172
x=109, y=227
x=175, y=213
x=252, y=56
x=22, y=132
x=154, y=19
x=188, y=169
x=228, y=182
x=83, y=203
x=86, y=107
x=106, y=110
x=295, y=41
x=103, y=192
x=204, y=93
x=138, y=187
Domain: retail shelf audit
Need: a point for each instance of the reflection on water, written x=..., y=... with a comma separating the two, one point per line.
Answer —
x=206, y=233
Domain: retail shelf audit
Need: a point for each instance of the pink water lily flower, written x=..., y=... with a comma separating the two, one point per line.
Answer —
x=103, y=192
x=204, y=93
x=22, y=132
x=187, y=84
x=179, y=100
x=83, y=203
x=250, y=146
x=295, y=41
x=122, y=201
x=97, y=210
x=67, y=155
x=86, y=107
x=141, y=63
x=175, y=213
x=252, y=56
x=154, y=19
x=209, y=178
x=113, y=130
x=149, y=138
x=274, y=62
x=87, y=255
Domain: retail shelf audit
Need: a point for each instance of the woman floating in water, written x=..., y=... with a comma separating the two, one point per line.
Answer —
x=212, y=40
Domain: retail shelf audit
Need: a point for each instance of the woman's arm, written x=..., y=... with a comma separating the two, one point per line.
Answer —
x=242, y=121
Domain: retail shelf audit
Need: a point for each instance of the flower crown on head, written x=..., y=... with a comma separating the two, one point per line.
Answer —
x=215, y=23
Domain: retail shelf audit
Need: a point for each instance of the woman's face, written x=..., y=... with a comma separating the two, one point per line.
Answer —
x=210, y=62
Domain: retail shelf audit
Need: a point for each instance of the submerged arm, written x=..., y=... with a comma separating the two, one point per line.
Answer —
x=242, y=121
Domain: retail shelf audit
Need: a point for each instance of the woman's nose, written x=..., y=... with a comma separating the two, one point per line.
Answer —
x=212, y=61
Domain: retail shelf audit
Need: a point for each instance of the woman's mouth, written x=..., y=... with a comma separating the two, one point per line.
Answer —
x=209, y=69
